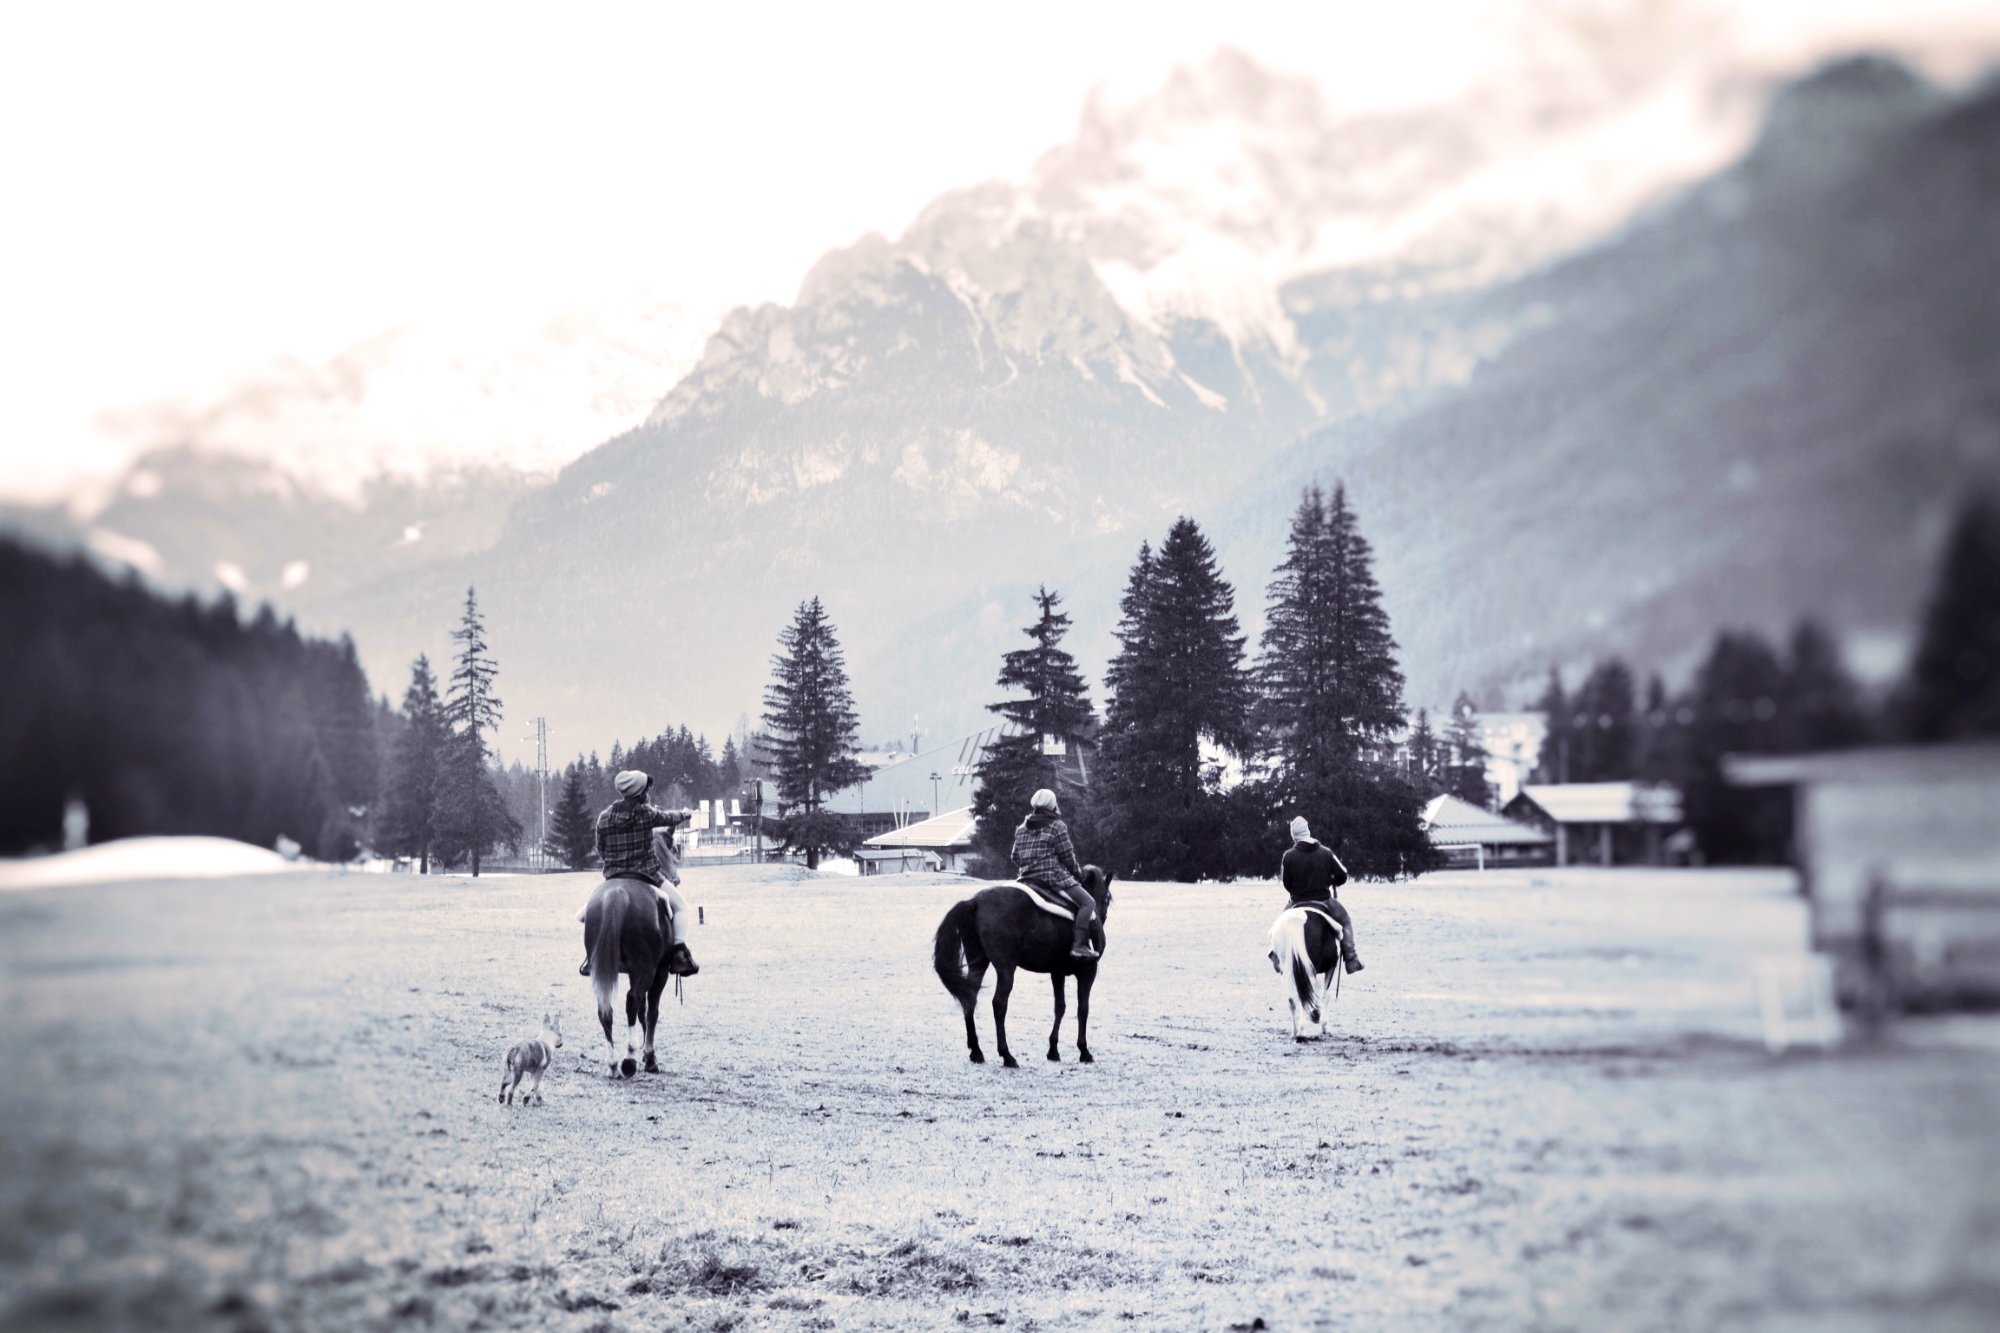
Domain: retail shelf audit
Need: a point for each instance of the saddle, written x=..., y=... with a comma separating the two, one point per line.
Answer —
x=1053, y=901
x=1320, y=910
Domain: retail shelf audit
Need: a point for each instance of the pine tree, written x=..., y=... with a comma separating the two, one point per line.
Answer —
x=1057, y=707
x=1953, y=690
x=1331, y=696
x=410, y=826
x=1426, y=767
x=1736, y=708
x=1553, y=766
x=809, y=719
x=573, y=831
x=1330, y=692
x=1604, y=740
x=471, y=816
x=1178, y=680
x=1465, y=777
x=1823, y=705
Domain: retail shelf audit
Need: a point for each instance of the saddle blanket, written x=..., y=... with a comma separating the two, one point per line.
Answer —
x=1055, y=904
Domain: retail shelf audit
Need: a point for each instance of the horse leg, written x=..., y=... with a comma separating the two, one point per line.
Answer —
x=1003, y=986
x=606, y=988
x=659, y=986
x=976, y=963
x=1056, y=979
x=1084, y=980
x=641, y=981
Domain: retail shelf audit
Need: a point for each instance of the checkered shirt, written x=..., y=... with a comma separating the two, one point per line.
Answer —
x=1042, y=852
x=625, y=839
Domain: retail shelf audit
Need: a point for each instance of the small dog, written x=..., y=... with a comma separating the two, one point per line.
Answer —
x=531, y=1059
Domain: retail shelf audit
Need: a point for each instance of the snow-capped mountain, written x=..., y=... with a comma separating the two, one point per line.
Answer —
x=1037, y=374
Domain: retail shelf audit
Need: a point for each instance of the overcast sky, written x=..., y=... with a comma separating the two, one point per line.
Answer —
x=196, y=189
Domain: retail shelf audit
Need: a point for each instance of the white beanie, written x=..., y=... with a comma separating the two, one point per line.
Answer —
x=1301, y=831
x=1043, y=800
x=632, y=783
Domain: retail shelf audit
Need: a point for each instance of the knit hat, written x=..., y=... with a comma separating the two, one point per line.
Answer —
x=1043, y=800
x=1301, y=831
x=632, y=783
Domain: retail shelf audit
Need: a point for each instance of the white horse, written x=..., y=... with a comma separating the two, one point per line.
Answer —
x=1305, y=951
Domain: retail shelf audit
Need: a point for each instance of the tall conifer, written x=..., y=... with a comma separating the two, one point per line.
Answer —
x=471, y=815
x=1056, y=707
x=810, y=724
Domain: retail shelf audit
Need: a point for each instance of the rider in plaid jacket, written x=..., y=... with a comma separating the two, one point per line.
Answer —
x=1043, y=854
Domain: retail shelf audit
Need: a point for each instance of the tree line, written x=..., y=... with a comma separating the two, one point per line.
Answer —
x=1749, y=696
x=175, y=716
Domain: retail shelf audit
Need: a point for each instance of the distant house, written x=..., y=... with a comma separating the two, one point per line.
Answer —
x=1468, y=835
x=913, y=789
x=1899, y=855
x=940, y=843
x=1601, y=823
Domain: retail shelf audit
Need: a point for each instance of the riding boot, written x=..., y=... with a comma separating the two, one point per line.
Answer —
x=1086, y=917
x=681, y=963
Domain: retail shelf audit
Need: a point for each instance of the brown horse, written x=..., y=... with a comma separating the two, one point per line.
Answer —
x=622, y=932
x=1009, y=927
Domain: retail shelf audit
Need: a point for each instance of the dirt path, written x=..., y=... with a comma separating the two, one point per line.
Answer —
x=270, y=1103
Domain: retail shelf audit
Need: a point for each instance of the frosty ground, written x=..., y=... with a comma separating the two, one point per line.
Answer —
x=270, y=1101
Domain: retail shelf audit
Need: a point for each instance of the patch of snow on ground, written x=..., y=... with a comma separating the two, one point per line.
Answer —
x=145, y=858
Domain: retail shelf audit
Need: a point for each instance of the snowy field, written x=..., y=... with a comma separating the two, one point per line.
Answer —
x=270, y=1102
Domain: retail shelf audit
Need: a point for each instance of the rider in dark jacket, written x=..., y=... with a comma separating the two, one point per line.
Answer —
x=1043, y=853
x=1311, y=873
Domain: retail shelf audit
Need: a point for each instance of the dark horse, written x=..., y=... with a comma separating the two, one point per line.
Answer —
x=1005, y=926
x=622, y=932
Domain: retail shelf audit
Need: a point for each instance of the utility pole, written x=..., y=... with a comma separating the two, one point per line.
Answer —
x=541, y=738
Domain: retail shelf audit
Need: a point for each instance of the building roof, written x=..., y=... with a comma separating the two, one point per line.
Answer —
x=1448, y=819
x=1607, y=802
x=950, y=831
x=906, y=789
x=1889, y=763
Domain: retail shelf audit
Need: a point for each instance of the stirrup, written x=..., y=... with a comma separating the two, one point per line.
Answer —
x=1085, y=950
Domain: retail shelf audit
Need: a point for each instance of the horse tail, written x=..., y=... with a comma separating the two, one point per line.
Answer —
x=1288, y=943
x=948, y=952
x=606, y=959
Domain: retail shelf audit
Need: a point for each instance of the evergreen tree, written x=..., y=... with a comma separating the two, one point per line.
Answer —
x=1057, y=707
x=1953, y=689
x=809, y=719
x=470, y=816
x=1736, y=710
x=1604, y=741
x=1178, y=680
x=411, y=823
x=729, y=770
x=573, y=830
x=1823, y=705
x=1426, y=762
x=1466, y=776
x=1553, y=766
x=1330, y=692
x=1331, y=697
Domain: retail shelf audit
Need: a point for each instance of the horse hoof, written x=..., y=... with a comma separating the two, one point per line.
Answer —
x=1055, y=1057
x=978, y=1058
x=1085, y=1058
x=652, y=1065
x=628, y=1066
x=1010, y=1062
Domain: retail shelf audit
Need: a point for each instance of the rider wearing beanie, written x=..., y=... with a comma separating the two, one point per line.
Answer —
x=635, y=841
x=1311, y=873
x=1043, y=853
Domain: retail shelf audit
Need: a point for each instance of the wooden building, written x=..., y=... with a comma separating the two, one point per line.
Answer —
x=1601, y=823
x=941, y=843
x=1467, y=835
x=1898, y=851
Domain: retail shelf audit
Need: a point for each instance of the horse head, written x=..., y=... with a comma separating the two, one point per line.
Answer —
x=1097, y=883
